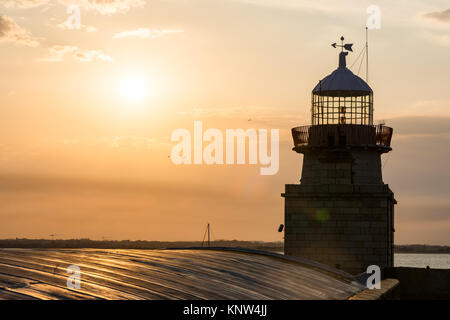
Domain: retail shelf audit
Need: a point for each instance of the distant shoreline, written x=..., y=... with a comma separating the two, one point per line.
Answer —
x=141, y=244
x=419, y=252
x=421, y=248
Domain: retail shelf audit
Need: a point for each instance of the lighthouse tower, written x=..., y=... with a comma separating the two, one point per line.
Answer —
x=341, y=214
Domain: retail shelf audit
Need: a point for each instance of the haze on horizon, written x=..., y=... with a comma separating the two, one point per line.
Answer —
x=86, y=115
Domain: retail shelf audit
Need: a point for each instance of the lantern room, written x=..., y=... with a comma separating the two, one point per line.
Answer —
x=342, y=97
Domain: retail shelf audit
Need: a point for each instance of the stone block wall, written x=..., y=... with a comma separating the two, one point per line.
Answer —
x=342, y=166
x=347, y=226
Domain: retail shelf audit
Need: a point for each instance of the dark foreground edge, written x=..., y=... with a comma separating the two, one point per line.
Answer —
x=224, y=309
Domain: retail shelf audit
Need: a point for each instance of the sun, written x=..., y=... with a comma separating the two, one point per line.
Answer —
x=134, y=88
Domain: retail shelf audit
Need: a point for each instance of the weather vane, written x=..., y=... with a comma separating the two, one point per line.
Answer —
x=347, y=46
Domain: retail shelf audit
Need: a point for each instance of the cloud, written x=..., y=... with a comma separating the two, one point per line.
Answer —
x=12, y=32
x=440, y=39
x=136, y=142
x=146, y=33
x=101, y=6
x=307, y=5
x=13, y=183
x=89, y=28
x=441, y=16
x=24, y=4
x=414, y=126
x=119, y=142
x=59, y=52
x=269, y=116
x=107, y=6
x=91, y=55
x=435, y=207
x=64, y=26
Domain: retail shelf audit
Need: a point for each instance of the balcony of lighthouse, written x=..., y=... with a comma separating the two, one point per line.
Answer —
x=342, y=136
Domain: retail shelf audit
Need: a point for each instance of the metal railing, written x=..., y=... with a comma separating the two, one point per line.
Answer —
x=301, y=135
x=347, y=134
x=383, y=135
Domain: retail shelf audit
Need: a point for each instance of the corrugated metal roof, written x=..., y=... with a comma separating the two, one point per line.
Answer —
x=168, y=274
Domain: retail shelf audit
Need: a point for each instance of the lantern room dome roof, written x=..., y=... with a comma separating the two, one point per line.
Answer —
x=342, y=82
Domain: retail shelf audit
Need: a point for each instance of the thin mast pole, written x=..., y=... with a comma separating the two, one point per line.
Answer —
x=209, y=242
x=367, y=55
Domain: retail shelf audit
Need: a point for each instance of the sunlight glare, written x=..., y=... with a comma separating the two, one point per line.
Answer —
x=134, y=88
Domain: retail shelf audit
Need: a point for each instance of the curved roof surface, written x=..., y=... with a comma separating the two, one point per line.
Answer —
x=168, y=274
x=342, y=82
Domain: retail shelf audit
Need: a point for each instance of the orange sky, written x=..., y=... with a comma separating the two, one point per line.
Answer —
x=78, y=158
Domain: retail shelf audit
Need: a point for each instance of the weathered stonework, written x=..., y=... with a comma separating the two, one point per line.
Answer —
x=342, y=225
